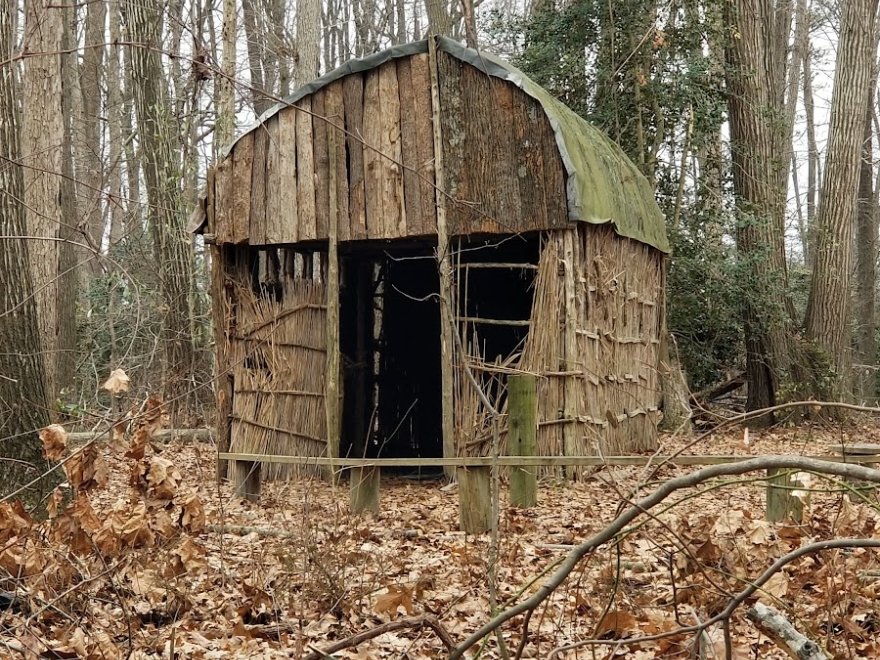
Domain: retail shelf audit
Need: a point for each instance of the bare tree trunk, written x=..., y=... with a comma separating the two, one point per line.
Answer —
x=116, y=147
x=91, y=84
x=813, y=167
x=866, y=266
x=827, y=318
x=23, y=404
x=756, y=90
x=41, y=146
x=157, y=129
x=308, y=27
x=226, y=105
x=439, y=17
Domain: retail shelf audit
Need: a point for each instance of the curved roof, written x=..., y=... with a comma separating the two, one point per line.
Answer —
x=603, y=184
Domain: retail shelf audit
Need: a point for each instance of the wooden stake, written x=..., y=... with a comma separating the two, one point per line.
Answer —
x=331, y=399
x=364, y=493
x=447, y=327
x=780, y=504
x=474, y=499
x=246, y=480
x=570, y=385
x=522, y=437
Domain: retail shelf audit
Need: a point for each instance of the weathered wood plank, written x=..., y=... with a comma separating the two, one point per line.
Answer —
x=452, y=120
x=421, y=111
x=372, y=158
x=322, y=164
x=305, y=172
x=353, y=98
x=257, y=233
x=504, y=201
x=393, y=207
x=522, y=437
x=412, y=190
x=286, y=179
x=210, y=217
x=274, y=225
x=333, y=107
x=474, y=500
x=223, y=217
x=364, y=490
x=242, y=166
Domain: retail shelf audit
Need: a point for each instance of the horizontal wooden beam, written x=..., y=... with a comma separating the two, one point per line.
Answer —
x=514, y=461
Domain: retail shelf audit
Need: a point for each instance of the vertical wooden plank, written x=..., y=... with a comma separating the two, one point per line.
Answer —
x=444, y=263
x=364, y=493
x=242, y=166
x=421, y=112
x=286, y=179
x=223, y=200
x=210, y=226
x=372, y=158
x=569, y=330
x=274, y=221
x=319, y=129
x=522, y=437
x=412, y=190
x=331, y=377
x=393, y=208
x=257, y=233
x=353, y=100
x=448, y=69
x=246, y=480
x=504, y=201
x=305, y=172
x=333, y=107
x=780, y=504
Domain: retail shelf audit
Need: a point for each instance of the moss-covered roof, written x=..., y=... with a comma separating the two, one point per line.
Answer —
x=603, y=185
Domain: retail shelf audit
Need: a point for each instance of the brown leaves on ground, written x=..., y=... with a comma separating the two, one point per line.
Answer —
x=54, y=439
x=138, y=557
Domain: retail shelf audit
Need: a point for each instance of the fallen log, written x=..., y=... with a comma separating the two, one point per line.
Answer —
x=775, y=626
x=717, y=390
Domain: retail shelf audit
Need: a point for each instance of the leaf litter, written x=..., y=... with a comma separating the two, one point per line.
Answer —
x=142, y=555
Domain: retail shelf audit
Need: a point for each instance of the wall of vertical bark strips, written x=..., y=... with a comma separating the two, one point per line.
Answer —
x=583, y=306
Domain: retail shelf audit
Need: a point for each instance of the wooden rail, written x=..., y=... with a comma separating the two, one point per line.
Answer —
x=518, y=461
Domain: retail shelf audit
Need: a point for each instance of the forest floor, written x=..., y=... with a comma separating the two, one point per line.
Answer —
x=138, y=565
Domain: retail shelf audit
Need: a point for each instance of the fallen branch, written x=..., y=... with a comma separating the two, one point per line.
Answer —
x=718, y=389
x=846, y=471
x=163, y=436
x=775, y=626
x=425, y=620
x=244, y=530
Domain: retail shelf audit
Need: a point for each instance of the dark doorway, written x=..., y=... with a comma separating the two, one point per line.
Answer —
x=390, y=342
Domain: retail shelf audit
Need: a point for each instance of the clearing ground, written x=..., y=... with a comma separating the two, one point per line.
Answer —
x=160, y=562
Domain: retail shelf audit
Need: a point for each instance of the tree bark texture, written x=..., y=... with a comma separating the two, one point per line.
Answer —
x=761, y=152
x=22, y=378
x=157, y=129
x=41, y=157
x=91, y=171
x=308, y=36
x=827, y=319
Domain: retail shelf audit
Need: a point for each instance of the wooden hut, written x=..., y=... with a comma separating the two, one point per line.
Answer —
x=413, y=224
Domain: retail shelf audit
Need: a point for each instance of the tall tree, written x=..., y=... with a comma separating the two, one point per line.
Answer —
x=42, y=140
x=23, y=407
x=226, y=91
x=91, y=172
x=158, y=133
x=760, y=144
x=828, y=309
x=308, y=35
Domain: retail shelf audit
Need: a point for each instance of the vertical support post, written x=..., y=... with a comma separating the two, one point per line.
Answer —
x=331, y=392
x=780, y=504
x=225, y=385
x=474, y=499
x=364, y=489
x=246, y=480
x=570, y=385
x=447, y=327
x=522, y=437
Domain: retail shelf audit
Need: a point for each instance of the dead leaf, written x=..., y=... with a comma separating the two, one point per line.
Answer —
x=54, y=439
x=192, y=514
x=117, y=383
x=396, y=596
x=86, y=468
x=615, y=624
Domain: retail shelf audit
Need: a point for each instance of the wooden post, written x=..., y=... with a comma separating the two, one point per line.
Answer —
x=780, y=504
x=474, y=499
x=522, y=437
x=364, y=493
x=246, y=480
x=569, y=330
x=447, y=321
x=331, y=392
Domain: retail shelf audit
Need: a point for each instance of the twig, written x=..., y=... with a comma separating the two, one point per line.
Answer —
x=846, y=471
x=400, y=624
x=775, y=626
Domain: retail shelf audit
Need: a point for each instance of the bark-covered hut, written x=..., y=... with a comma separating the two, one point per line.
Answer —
x=343, y=330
